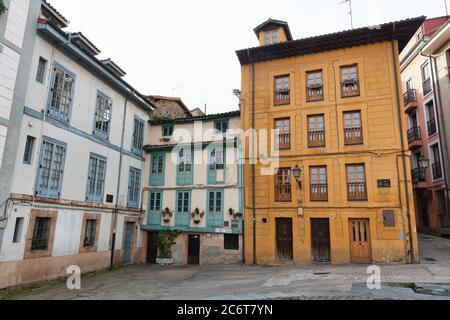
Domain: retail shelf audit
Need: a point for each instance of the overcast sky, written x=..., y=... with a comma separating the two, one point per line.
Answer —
x=189, y=45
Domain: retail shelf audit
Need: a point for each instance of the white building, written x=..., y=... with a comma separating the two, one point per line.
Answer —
x=75, y=169
x=196, y=188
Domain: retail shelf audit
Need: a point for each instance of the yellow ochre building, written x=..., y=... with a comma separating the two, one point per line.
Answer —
x=341, y=189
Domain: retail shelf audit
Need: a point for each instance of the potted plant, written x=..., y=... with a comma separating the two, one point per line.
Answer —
x=167, y=215
x=197, y=215
x=165, y=241
x=2, y=7
x=236, y=215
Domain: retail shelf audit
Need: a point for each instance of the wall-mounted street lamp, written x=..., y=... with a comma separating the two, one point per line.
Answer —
x=297, y=174
x=424, y=162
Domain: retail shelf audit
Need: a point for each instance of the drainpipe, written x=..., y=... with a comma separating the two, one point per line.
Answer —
x=400, y=122
x=241, y=194
x=441, y=124
x=119, y=178
x=253, y=160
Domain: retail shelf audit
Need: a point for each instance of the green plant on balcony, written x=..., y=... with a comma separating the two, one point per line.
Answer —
x=2, y=7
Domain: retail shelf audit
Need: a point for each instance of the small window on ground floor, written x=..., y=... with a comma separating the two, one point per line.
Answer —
x=231, y=242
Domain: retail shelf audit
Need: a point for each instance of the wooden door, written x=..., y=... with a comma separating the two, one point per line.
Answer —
x=128, y=243
x=360, y=245
x=320, y=238
x=194, y=250
x=284, y=239
x=152, y=249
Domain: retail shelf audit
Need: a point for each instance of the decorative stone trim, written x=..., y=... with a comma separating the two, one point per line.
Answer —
x=29, y=254
x=90, y=216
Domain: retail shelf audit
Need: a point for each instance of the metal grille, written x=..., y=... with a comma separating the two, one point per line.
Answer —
x=41, y=234
x=89, y=238
x=103, y=115
x=283, y=187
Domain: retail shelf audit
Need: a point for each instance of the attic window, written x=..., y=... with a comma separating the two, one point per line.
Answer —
x=271, y=37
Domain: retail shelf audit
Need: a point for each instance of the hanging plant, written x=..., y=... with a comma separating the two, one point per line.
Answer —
x=197, y=215
x=167, y=215
x=236, y=215
x=2, y=7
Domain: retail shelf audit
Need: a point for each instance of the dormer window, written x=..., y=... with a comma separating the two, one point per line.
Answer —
x=271, y=37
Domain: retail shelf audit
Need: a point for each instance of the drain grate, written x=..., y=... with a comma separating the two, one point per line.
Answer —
x=321, y=273
x=430, y=259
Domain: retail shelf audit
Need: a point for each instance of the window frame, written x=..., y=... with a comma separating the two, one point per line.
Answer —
x=280, y=134
x=56, y=113
x=34, y=254
x=356, y=81
x=269, y=38
x=316, y=131
x=279, y=102
x=220, y=124
x=356, y=180
x=284, y=173
x=56, y=194
x=215, y=217
x=29, y=149
x=170, y=128
x=137, y=143
x=94, y=197
x=353, y=129
x=314, y=85
x=136, y=174
x=41, y=70
x=100, y=133
x=318, y=183
x=231, y=244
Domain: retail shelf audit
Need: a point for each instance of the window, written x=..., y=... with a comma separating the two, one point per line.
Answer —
x=217, y=160
x=29, y=146
x=283, y=187
x=314, y=89
x=41, y=234
x=282, y=91
x=353, y=128
x=89, y=234
x=271, y=37
x=231, y=242
x=134, y=187
x=184, y=161
x=221, y=126
x=214, y=216
x=40, y=74
x=18, y=230
x=426, y=79
x=157, y=164
x=183, y=202
x=436, y=166
x=167, y=130
x=103, y=111
x=319, y=184
x=431, y=123
x=155, y=201
x=61, y=94
x=96, y=178
x=356, y=182
x=350, y=81
x=316, y=131
x=157, y=169
x=51, y=168
x=282, y=134
x=216, y=169
x=138, y=136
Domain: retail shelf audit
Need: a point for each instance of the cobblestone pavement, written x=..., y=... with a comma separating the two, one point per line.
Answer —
x=149, y=282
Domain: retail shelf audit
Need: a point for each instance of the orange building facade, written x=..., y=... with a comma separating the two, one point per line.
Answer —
x=340, y=190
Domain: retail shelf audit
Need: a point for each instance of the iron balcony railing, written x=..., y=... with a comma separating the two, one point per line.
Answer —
x=350, y=88
x=314, y=93
x=319, y=192
x=282, y=97
x=414, y=134
x=357, y=191
x=432, y=127
x=283, y=141
x=410, y=96
x=437, y=170
x=419, y=175
x=283, y=192
x=316, y=138
x=353, y=136
x=427, y=86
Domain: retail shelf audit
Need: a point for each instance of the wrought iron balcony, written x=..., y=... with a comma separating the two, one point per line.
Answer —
x=283, y=192
x=410, y=96
x=314, y=93
x=316, y=138
x=437, y=170
x=353, y=136
x=414, y=134
x=282, y=97
x=319, y=192
x=419, y=175
x=350, y=88
x=432, y=127
x=283, y=141
x=357, y=191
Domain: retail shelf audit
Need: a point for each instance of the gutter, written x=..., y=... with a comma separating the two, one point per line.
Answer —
x=253, y=157
x=405, y=174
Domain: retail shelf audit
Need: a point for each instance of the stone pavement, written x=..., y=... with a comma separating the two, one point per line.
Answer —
x=150, y=282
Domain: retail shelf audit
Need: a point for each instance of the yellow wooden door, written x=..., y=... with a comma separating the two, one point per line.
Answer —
x=360, y=246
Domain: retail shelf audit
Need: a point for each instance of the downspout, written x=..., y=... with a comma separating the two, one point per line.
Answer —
x=441, y=124
x=400, y=122
x=119, y=178
x=253, y=158
x=241, y=194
